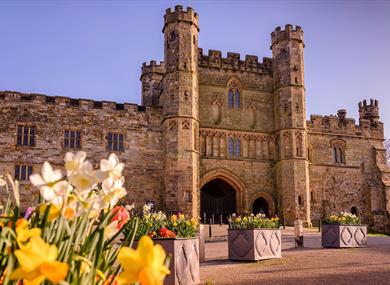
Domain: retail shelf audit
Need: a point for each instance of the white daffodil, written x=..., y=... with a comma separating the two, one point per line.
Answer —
x=48, y=182
x=92, y=205
x=84, y=179
x=73, y=162
x=146, y=209
x=113, y=191
x=2, y=181
x=112, y=167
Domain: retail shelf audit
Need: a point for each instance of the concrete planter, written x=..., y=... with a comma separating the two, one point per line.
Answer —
x=253, y=245
x=184, y=264
x=344, y=236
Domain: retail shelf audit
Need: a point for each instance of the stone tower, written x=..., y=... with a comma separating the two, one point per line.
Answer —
x=180, y=110
x=292, y=174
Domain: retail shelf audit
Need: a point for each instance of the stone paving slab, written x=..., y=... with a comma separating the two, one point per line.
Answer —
x=310, y=265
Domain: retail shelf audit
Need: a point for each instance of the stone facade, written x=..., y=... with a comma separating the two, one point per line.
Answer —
x=206, y=117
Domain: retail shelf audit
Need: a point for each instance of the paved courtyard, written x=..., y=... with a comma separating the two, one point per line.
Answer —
x=311, y=265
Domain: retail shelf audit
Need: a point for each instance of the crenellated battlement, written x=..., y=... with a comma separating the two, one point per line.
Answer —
x=67, y=102
x=289, y=33
x=180, y=15
x=233, y=61
x=340, y=124
x=152, y=67
x=369, y=111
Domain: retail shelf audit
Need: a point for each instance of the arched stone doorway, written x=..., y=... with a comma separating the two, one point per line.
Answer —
x=262, y=202
x=217, y=197
x=260, y=206
x=230, y=183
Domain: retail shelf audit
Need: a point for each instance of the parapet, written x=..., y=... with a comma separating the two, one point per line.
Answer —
x=369, y=111
x=179, y=15
x=152, y=67
x=340, y=124
x=289, y=33
x=233, y=61
x=67, y=102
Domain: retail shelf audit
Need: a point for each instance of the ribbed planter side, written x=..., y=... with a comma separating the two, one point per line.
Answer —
x=184, y=264
x=344, y=236
x=253, y=245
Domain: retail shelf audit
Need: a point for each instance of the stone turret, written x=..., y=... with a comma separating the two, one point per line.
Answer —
x=369, y=111
x=151, y=77
x=292, y=177
x=180, y=110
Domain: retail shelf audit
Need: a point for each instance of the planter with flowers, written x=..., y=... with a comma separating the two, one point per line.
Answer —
x=343, y=230
x=177, y=235
x=69, y=236
x=252, y=238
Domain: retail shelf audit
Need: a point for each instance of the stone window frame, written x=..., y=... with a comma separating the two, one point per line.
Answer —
x=21, y=136
x=79, y=146
x=234, y=93
x=338, y=149
x=21, y=175
x=120, y=146
x=234, y=147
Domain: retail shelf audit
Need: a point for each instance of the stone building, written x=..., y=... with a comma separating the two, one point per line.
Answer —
x=214, y=135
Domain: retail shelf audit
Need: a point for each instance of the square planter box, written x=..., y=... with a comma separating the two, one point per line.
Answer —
x=344, y=236
x=184, y=265
x=253, y=245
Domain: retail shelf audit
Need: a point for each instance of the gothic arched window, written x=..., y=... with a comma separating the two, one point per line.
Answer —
x=234, y=147
x=335, y=155
x=230, y=99
x=237, y=99
x=234, y=95
x=338, y=149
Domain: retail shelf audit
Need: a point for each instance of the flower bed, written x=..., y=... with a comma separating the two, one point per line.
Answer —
x=177, y=235
x=252, y=238
x=343, y=230
x=68, y=236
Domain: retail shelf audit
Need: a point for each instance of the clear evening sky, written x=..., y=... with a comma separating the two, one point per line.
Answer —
x=94, y=49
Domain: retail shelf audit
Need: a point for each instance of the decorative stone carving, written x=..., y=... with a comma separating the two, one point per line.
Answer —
x=185, y=124
x=216, y=111
x=344, y=236
x=252, y=116
x=253, y=245
x=184, y=265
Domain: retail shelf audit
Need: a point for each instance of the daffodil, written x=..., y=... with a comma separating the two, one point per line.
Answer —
x=84, y=179
x=73, y=162
x=111, y=167
x=37, y=262
x=113, y=191
x=2, y=181
x=144, y=265
x=49, y=182
x=54, y=211
x=24, y=233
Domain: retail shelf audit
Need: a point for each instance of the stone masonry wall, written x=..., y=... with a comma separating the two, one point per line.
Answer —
x=142, y=153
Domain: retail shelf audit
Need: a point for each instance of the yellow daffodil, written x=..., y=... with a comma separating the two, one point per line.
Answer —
x=144, y=265
x=173, y=218
x=23, y=233
x=37, y=262
x=54, y=211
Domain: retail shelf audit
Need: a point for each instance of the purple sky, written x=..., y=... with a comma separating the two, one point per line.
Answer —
x=95, y=50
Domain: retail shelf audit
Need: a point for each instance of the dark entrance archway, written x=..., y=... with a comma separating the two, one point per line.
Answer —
x=217, y=197
x=260, y=205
